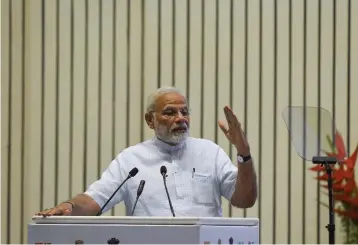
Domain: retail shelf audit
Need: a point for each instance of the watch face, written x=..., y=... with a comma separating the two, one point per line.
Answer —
x=240, y=159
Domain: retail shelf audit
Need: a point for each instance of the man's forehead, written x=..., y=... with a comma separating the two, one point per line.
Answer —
x=171, y=100
x=175, y=106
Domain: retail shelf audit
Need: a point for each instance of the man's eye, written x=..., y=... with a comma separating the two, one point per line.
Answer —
x=169, y=112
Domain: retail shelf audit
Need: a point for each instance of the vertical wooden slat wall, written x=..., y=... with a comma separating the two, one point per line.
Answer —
x=76, y=76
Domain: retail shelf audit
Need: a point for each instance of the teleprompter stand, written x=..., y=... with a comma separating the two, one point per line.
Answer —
x=327, y=162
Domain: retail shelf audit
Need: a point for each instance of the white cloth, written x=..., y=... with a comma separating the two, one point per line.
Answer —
x=192, y=193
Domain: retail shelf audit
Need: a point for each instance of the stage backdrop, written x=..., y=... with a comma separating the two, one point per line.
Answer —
x=76, y=74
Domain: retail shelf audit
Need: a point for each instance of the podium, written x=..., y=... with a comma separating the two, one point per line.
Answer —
x=142, y=230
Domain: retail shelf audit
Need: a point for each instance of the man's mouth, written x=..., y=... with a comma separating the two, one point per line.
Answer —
x=180, y=129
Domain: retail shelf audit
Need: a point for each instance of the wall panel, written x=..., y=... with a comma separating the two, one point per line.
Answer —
x=326, y=82
x=78, y=40
x=265, y=164
x=49, y=106
x=64, y=101
x=209, y=71
x=196, y=62
x=298, y=188
x=165, y=41
x=352, y=50
x=135, y=117
x=280, y=78
x=76, y=76
x=33, y=113
x=121, y=82
x=312, y=87
x=5, y=112
x=240, y=70
x=250, y=120
x=151, y=55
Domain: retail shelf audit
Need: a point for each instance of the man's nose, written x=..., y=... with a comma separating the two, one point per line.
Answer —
x=181, y=118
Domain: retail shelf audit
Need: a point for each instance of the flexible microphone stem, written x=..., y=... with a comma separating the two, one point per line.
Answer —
x=166, y=190
x=139, y=192
x=114, y=193
x=131, y=174
x=135, y=204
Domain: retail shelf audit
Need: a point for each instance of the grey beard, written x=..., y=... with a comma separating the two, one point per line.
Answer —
x=176, y=138
x=171, y=137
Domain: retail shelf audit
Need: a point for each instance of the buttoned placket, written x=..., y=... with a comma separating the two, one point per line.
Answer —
x=176, y=176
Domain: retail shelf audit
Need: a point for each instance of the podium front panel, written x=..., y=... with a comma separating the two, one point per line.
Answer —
x=113, y=234
x=229, y=234
x=142, y=230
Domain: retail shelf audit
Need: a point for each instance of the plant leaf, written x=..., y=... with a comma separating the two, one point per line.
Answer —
x=341, y=149
x=348, y=213
x=351, y=161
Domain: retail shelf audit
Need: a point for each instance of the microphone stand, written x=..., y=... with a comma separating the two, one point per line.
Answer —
x=139, y=192
x=166, y=190
x=114, y=193
x=326, y=161
x=135, y=204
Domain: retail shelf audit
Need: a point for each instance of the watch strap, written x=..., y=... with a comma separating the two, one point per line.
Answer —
x=244, y=158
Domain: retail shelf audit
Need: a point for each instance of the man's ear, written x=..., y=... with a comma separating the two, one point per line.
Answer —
x=149, y=118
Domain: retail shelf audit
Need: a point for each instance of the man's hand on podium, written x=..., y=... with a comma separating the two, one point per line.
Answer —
x=64, y=208
x=80, y=205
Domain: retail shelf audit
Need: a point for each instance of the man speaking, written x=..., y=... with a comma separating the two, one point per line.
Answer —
x=183, y=176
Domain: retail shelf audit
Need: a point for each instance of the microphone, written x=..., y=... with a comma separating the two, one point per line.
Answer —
x=139, y=192
x=131, y=174
x=163, y=171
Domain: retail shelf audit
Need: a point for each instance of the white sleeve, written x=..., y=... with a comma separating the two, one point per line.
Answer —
x=102, y=189
x=226, y=174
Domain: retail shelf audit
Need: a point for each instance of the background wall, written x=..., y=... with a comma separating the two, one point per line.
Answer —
x=76, y=74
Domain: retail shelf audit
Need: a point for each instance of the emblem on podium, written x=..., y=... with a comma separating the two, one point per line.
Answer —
x=231, y=240
x=113, y=240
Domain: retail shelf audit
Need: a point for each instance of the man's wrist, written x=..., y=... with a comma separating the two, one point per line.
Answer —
x=242, y=152
x=71, y=203
x=243, y=158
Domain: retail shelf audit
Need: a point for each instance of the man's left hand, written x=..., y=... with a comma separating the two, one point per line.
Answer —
x=234, y=132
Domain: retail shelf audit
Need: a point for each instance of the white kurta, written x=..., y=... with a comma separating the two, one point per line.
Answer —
x=199, y=174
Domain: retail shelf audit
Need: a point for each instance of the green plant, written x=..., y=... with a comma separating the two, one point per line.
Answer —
x=345, y=189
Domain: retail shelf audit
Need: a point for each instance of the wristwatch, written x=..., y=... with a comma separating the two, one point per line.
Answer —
x=243, y=159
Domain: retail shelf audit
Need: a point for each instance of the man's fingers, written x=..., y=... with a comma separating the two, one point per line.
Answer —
x=44, y=212
x=230, y=116
x=223, y=127
x=67, y=212
x=57, y=211
x=50, y=212
x=236, y=121
x=233, y=117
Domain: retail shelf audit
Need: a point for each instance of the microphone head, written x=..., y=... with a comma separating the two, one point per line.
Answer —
x=140, y=187
x=142, y=183
x=163, y=170
x=133, y=172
